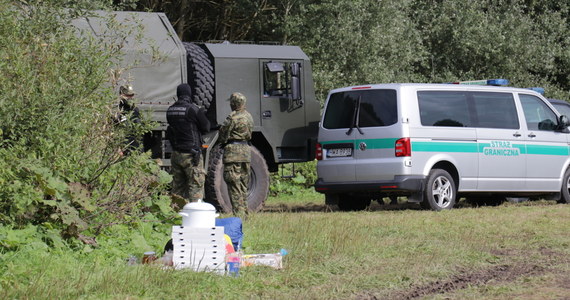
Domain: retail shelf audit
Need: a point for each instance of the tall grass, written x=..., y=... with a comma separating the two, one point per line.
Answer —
x=380, y=253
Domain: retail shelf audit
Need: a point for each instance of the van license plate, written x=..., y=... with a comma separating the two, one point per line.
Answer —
x=339, y=152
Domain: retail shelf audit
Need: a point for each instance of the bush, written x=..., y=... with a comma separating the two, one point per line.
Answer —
x=62, y=168
x=302, y=176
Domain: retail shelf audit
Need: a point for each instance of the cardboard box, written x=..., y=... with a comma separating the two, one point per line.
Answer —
x=274, y=260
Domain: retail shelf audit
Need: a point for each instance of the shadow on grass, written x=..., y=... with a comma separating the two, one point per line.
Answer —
x=375, y=206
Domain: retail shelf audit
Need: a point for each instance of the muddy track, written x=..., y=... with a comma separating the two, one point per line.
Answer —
x=493, y=275
x=515, y=264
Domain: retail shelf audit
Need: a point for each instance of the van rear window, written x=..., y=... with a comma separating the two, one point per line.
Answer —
x=377, y=108
x=468, y=109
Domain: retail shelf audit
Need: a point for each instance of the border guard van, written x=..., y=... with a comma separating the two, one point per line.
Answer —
x=435, y=143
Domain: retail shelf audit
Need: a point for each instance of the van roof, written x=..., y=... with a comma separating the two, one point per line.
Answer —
x=456, y=87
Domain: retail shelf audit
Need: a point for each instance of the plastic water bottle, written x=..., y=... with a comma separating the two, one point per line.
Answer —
x=233, y=263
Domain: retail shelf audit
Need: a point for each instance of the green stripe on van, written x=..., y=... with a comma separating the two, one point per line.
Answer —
x=469, y=147
x=337, y=142
x=370, y=143
x=546, y=150
x=378, y=143
x=444, y=147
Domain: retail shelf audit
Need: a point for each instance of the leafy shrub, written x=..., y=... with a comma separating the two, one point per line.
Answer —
x=63, y=172
x=293, y=177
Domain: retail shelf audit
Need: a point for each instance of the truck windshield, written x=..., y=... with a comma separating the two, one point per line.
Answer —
x=377, y=108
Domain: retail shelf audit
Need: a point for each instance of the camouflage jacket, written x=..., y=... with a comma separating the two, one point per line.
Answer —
x=238, y=126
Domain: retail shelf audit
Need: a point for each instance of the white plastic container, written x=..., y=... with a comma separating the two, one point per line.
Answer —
x=198, y=214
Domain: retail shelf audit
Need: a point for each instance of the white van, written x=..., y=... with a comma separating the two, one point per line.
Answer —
x=435, y=143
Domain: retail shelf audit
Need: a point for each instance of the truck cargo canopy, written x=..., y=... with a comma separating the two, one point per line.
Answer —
x=153, y=57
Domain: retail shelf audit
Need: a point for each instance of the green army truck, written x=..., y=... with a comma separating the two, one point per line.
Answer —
x=276, y=79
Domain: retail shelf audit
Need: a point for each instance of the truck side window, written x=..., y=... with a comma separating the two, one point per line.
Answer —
x=444, y=108
x=537, y=114
x=278, y=78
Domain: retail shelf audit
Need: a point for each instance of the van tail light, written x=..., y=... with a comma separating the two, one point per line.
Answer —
x=319, y=151
x=403, y=147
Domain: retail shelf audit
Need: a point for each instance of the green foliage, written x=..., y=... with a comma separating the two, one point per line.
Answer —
x=509, y=39
x=367, y=41
x=358, y=42
x=63, y=172
x=293, y=178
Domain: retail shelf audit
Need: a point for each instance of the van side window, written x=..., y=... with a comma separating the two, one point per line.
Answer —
x=495, y=110
x=377, y=108
x=468, y=109
x=537, y=114
x=443, y=108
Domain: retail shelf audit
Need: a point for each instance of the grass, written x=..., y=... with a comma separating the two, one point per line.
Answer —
x=389, y=252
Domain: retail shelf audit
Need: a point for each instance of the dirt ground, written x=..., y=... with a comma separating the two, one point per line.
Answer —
x=516, y=265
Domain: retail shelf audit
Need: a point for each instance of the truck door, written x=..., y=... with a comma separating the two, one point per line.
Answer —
x=282, y=108
x=547, y=147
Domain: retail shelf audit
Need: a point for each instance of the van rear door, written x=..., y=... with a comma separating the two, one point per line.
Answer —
x=337, y=139
x=376, y=135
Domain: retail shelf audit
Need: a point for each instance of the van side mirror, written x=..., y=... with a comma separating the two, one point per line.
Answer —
x=564, y=121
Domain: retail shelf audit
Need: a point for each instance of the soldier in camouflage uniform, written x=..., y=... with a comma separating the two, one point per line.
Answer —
x=235, y=135
x=186, y=124
x=129, y=116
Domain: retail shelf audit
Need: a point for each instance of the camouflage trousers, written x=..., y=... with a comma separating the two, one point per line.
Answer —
x=188, y=180
x=236, y=175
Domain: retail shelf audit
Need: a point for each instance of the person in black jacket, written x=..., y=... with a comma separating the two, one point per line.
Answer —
x=186, y=124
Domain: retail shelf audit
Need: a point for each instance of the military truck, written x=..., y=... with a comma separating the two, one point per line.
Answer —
x=276, y=80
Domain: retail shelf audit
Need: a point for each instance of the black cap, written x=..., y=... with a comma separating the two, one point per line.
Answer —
x=183, y=90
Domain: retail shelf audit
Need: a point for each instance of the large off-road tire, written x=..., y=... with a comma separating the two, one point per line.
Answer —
x=217, y=190
x=565, y=190
x=348, y=203
x=200, y=75
x=440, y=191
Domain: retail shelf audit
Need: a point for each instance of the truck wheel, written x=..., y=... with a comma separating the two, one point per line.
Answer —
x=217, y=190
x=346, y=203
x=200, y=75
x=565, y=191
x=440, y=191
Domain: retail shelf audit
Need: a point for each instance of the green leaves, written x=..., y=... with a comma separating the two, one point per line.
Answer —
x=61, y=171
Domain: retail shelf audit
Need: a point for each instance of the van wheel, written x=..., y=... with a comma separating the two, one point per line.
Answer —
x=565, y=191
x=440, y=191
x=347, y=203
x=217, y=190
